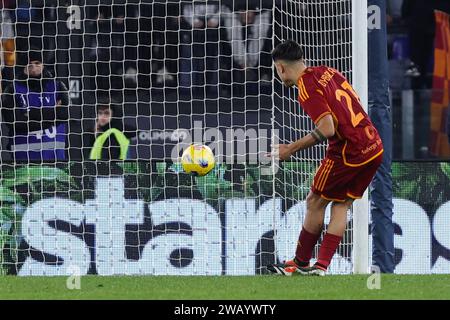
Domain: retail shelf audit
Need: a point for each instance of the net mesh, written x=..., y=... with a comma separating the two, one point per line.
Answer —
x=162, y=74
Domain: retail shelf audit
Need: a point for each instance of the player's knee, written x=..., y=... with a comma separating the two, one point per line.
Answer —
x=314, y=202
x=346, y=204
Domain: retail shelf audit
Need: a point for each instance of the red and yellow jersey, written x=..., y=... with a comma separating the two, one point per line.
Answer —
x=322, y=91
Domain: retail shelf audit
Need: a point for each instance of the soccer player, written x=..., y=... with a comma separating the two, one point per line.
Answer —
x=353, y=156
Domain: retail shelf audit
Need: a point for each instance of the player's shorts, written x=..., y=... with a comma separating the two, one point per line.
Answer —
x=336, y=181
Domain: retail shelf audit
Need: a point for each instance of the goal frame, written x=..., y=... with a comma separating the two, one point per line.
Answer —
x=360, y=83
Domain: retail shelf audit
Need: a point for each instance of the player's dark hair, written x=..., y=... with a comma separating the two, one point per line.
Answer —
x=288, y=50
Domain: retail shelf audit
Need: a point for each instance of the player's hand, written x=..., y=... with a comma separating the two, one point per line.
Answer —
x=281, y=151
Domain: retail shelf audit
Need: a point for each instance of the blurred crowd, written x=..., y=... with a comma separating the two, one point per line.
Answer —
x=207, y=49
x=411, y=26
x=154, y=43
x=189, y=45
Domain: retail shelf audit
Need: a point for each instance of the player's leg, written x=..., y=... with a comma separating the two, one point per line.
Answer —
x=316, y=202
x=310, y=234
x=331, y=239
x=312, y=228
x=334, y=234
x=331, y=185
x=338, y=218
x=346, y=185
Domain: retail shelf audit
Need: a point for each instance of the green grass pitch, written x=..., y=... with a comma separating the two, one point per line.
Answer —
x=226, y=287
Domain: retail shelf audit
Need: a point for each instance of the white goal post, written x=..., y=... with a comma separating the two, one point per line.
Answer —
x=360, y=83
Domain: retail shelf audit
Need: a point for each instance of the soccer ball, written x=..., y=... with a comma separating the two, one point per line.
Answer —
x=197, y=160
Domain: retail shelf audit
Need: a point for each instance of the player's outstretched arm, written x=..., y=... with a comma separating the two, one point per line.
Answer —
x=324, y=130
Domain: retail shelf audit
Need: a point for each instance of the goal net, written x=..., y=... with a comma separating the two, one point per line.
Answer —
x=100, y=98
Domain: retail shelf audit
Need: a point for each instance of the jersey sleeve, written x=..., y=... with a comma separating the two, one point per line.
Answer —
x=313, y=102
